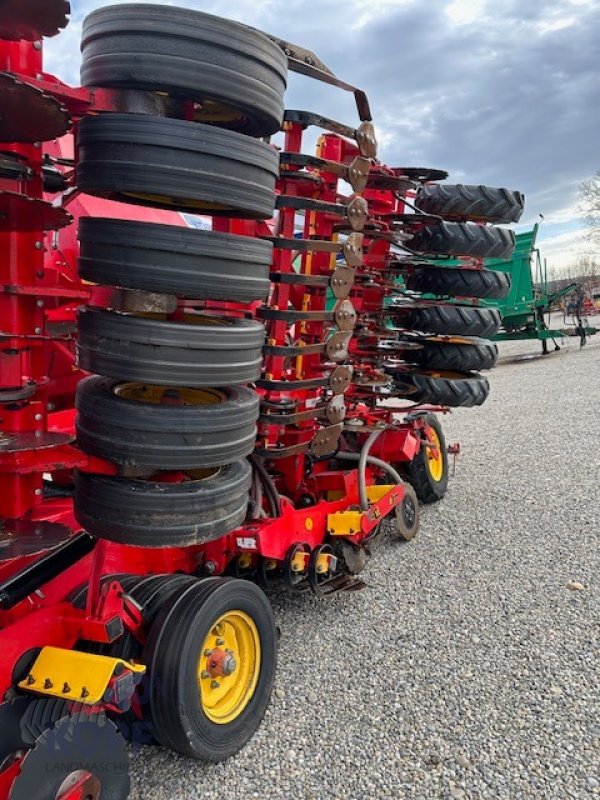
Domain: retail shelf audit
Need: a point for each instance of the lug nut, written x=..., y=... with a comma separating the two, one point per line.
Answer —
x=205, y=674
x=220, y=642
x=214, y=684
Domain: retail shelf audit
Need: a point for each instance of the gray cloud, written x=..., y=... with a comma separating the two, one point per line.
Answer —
x=496, y=100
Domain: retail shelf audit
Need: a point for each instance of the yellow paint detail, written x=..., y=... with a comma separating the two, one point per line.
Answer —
x=344, y=523
x=323, y=563
x=177, y=202
x=72, y=675
x=434, y=456
x=225, y=697
x=245, y=560
x=377, y=491
x=300, y=561
x=173, y=395
x=309, y=524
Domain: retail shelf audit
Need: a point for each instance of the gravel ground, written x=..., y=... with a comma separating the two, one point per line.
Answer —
x=468, y=668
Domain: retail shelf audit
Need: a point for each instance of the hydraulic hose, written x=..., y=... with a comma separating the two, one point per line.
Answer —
x=362, y=466
x=374, y=462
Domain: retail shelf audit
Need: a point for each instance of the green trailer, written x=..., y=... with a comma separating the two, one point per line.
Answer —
x=527, y=308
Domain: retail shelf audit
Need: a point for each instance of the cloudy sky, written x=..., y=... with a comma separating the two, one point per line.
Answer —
x=502, y=92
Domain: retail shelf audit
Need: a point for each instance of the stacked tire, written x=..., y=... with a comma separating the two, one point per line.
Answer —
x=173, y=393
x=453, y=329
x=170, y=403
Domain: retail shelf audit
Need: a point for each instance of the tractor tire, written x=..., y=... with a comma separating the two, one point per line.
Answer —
x=198, y=264
x=460, y=202
x=444, y=389
x=484, y=284
x=452, y=356
x=202, y=351
x=132, y=425
x=460, y=239
x=427, y=475
x=454, y=320
x=192, y=56
x=179, y=165
x=189, y=715
x=80, y=743
x=146, y=513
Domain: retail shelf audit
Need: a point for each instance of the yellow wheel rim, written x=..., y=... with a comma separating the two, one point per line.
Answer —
x=173, y=395
x=435, y=457
x=229, y=667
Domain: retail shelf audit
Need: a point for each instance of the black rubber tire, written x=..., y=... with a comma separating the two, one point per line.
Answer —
x=87, y=743
x=135, y=433
x=483, y=284
x=459, y=201
x=187, y=54
x=172, y=163
x=172, y=653
x=452, y=390
x=152, y=514
x=408, y=515
x=454, y=320
x=456, y=357
x=203, y=265
x=215, y=351
x=418, y=473
x=461, y=239
x=41, y=714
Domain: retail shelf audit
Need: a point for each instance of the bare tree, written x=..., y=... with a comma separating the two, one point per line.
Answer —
x=590, y=206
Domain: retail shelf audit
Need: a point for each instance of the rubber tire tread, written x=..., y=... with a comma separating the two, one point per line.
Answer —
x=461, y=239
x=483, y=284
x=198, y=264
x=417, y=471
x=134, y=433
x=220, y=352
x=180, y=165
x=172, y=652
x=464, y=392
x=453, y=357
x=187, y=54
x=152, y=514
x=455, y=320
x=461, y=201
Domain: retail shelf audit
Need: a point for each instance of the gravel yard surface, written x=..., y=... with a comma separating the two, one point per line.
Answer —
x=468, y=668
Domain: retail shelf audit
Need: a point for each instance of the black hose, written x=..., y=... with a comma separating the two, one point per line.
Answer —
x=269, y=487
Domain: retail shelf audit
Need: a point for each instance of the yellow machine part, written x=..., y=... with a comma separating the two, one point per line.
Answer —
x=72, y=675
x=348, y=523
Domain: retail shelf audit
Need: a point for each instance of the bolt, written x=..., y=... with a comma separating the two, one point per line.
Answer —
x=210, y=567
x=208, y=653
x=214, y=684
x=38, y=417
x=229, y=665
x=48, y=684
x=30, y=680
x=85, y=693
x=39, y=76
x=205, y=674
x=37, y=492
x=39, y=245
x=220, y=642
x=37, y=45
x=40, y=304
x=66, y=688
x=37, y=330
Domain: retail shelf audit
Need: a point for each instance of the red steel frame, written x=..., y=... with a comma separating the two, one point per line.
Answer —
x=39, y=286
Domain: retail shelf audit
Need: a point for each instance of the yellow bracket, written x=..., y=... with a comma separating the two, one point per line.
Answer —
x=377, y=491
x=76, y=676
x=348, y=523
x=344, y=523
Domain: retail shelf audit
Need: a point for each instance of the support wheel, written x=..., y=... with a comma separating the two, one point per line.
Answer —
x=78, y=748
x=428, y=471
x=485, y=284
x=485, y=203
x=408, y=515
x=460, y=239
x=211, y=654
